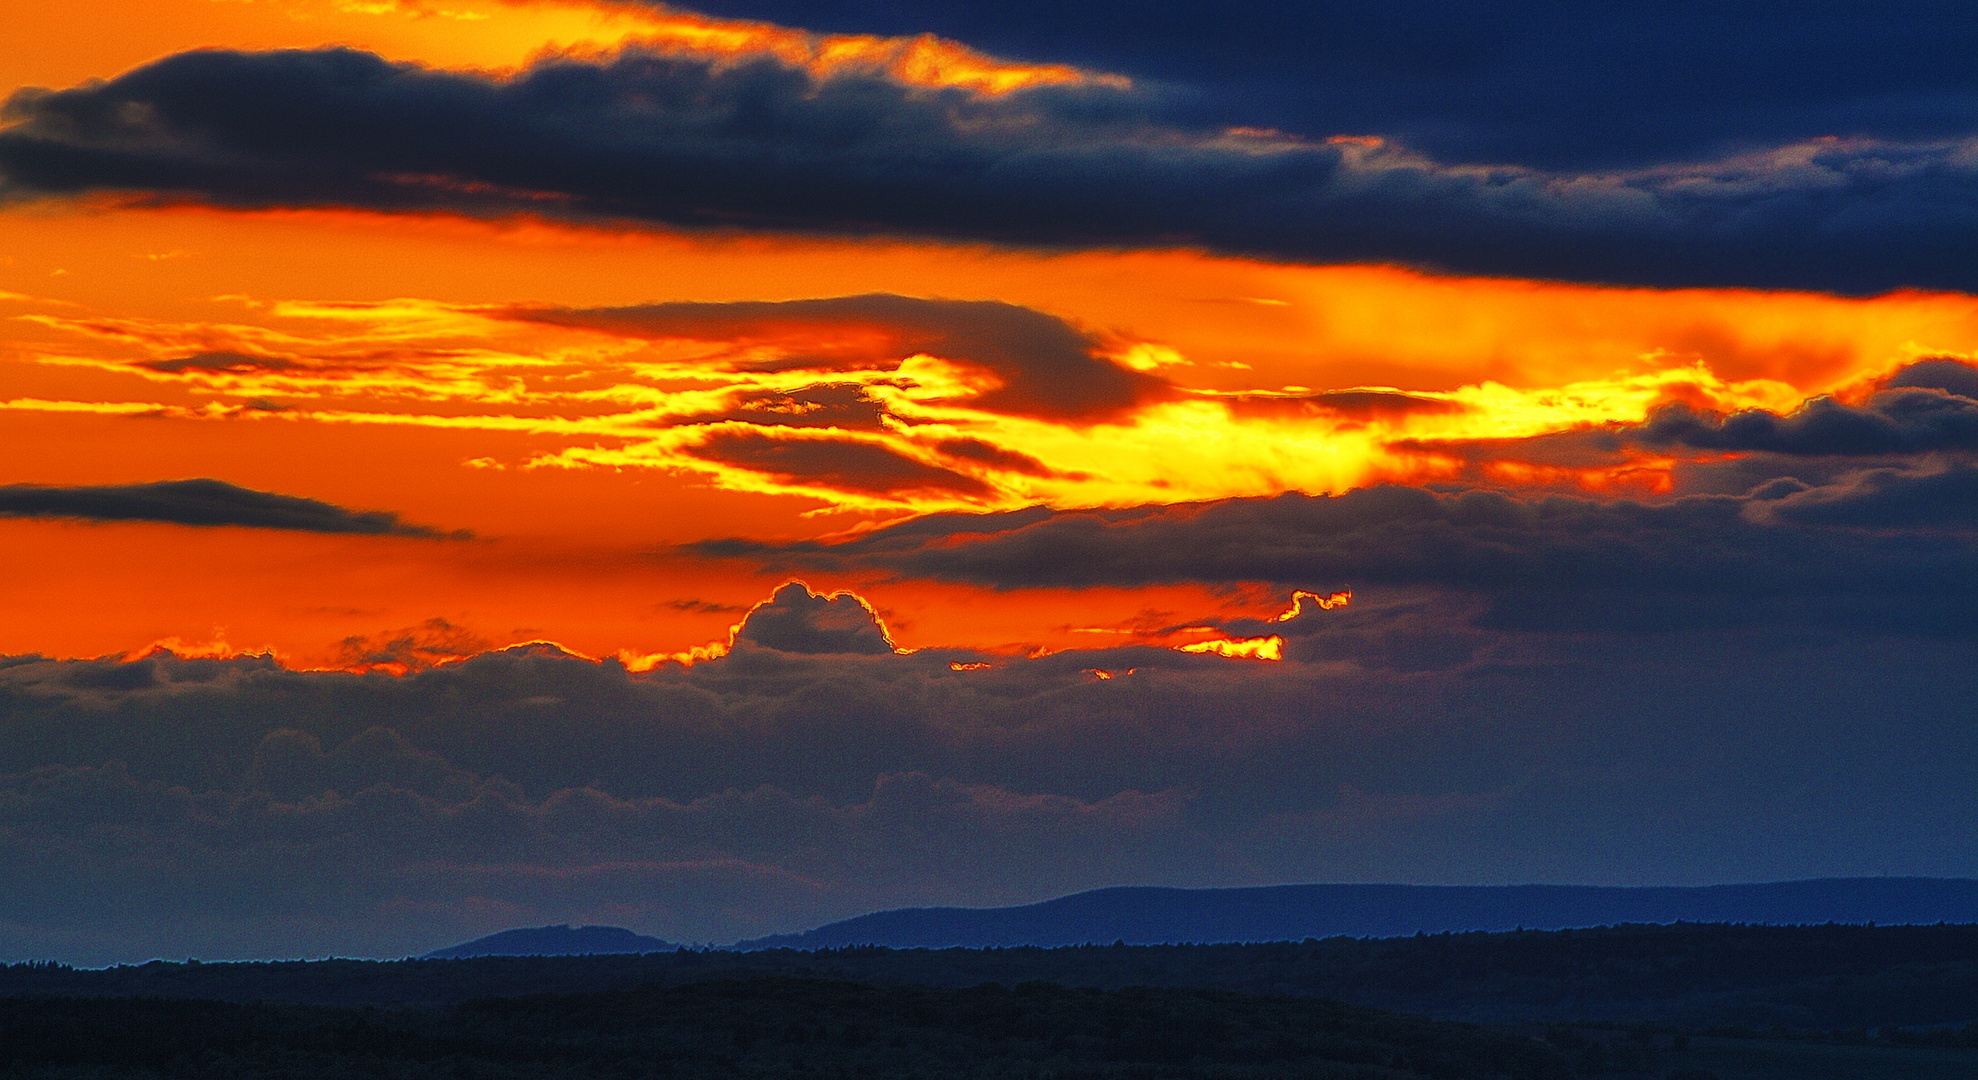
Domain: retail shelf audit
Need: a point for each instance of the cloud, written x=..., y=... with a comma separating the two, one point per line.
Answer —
x=797, y=620
x=1777, y=555
x=1911, y=420
x=835, y=464
x=988, y=453
x=172, y=806
x=221, y=362
x=1043, y=366
x=1564, y=86
x=845, y=406
x=1942, y=373
x=1898, y=421
x=1891, y=500
x=436, y=641
x=1360, y=405
x=202, y=502
x=758, y=144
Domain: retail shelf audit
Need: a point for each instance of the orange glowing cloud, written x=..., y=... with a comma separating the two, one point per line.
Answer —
x=374, y=361
x=1263, y=648
x=869, y=403
x=215, y=648
x=498, y=36
x=1323, y=603
x=923, y=60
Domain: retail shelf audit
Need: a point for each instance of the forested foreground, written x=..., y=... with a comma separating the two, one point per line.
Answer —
x=769, y=1027
x=1812, y=979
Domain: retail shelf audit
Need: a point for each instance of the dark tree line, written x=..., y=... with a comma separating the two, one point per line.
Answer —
x=768, y=1027
x=1809, y=978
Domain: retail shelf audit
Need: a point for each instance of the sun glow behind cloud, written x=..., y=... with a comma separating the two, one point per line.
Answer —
x=855, y=414
x=624, y=443
x=421, y=343
x=1264, y=648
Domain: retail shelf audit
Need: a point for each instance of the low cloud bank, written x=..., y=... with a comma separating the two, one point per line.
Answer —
x=171, y=806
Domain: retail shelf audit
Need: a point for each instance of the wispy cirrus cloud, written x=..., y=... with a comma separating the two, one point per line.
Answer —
x=1037, y=364
x=877, y=400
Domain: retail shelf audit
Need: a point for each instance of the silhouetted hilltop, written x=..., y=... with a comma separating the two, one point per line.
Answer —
x=1156, y=916
x=561, y=940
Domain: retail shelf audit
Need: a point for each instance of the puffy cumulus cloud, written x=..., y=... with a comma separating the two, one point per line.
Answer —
x=797, y=620
x=1942, y=373
x=202, y=502
x=730, y=143
x=1890, y=548
x=1040, y=365
x=1898, y=421
x=1881, y=499
x=171, y=806
x=1559, y=84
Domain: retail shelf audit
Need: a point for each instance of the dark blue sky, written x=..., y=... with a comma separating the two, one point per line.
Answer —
x=1556, y=85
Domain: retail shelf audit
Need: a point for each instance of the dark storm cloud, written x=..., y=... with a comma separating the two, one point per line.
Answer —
x=840, y=464
x=1046, y=366
x=1557, y=85
x=761, y=145
x=201, y=502
x=229, y=807
x=1774, y=556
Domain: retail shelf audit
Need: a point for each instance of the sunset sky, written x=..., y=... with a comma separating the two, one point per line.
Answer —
x=1347, y=442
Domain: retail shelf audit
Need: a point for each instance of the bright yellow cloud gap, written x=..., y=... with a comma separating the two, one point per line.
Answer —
x=618, y=402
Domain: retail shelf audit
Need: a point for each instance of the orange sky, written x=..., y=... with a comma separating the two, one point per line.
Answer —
x=559, y=448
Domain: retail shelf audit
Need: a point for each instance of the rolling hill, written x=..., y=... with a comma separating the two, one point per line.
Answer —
x=1153, y=916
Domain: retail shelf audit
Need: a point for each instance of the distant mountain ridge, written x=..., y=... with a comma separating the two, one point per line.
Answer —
x=560, y=940
x=1153, y=916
